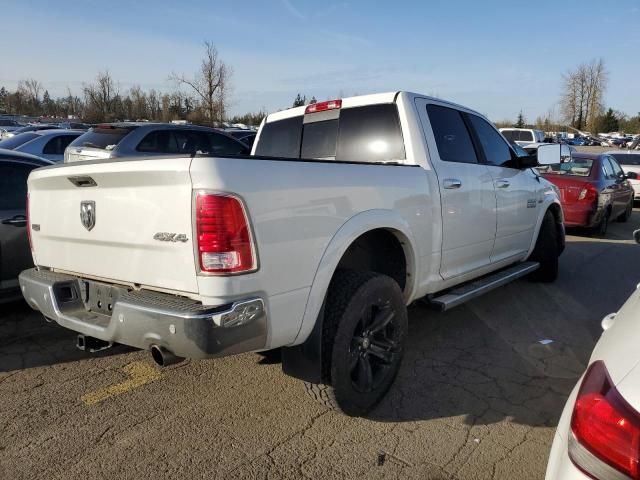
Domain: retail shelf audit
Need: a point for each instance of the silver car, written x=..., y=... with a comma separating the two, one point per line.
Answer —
x=15, y=254
x=135, y=139
x=49, y=144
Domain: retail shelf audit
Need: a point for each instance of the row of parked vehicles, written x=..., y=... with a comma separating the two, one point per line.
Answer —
x=178, y=241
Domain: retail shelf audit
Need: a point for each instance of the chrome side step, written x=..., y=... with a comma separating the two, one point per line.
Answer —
x=475, y=288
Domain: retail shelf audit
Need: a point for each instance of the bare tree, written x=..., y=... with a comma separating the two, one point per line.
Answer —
x=211, y=83
x=101, y=97
x=583, y=92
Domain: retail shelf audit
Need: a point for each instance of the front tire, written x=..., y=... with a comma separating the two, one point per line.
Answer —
x=546, y=250
x=363, y=340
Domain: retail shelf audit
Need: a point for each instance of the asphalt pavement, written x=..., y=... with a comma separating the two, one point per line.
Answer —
x=478, y=395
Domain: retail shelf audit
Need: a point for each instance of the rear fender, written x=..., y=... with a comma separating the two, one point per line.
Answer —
x=303, y=360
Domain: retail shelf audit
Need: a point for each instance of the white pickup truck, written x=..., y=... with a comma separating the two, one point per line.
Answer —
x=346, y=212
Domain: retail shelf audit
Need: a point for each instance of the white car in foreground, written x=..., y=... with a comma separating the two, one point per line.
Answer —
x=598, y=436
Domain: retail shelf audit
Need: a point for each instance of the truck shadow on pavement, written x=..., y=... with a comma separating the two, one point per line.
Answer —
x=27, y=340
x=517, y=352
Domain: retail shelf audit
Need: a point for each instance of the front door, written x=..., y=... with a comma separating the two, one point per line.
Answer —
x=467, y=194
x=518, y=192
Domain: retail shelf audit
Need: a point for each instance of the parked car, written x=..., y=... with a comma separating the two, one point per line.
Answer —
x=245, y=136
x=347, y=212
x=629, y=160
x=49, y=144
x=599, y=431
x=7, y=126
x=523, y=136
x=593, y=190
x=30, y=128
x=135, y=139
x=15, y=254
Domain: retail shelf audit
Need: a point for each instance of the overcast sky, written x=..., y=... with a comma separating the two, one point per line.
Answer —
x=497, y=57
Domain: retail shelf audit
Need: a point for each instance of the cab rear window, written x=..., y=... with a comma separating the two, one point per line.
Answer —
x=368, y=134
x=106, y=137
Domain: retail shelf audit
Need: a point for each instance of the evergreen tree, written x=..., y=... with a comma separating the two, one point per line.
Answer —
x=608, y=122
x=521, y=122
x=313, y=100
x=3, y=99
x=300, y=101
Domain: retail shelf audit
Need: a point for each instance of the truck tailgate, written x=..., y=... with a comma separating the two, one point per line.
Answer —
x=133, y=201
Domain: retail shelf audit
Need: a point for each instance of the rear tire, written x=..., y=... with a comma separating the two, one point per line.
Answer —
x=546, y=250
x=363, y=340
x=600, y=230
x=622, y=218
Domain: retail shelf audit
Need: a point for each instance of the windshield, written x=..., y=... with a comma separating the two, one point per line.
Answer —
x=14, y=142
x=622, y=158
x=103, y=137
x=577, y=167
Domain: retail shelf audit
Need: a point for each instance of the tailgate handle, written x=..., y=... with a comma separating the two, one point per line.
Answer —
x=83, y=181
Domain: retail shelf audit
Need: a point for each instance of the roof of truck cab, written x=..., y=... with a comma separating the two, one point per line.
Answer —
x=361, y=100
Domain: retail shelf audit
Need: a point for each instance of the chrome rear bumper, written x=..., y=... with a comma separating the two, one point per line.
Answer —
x=144, y=318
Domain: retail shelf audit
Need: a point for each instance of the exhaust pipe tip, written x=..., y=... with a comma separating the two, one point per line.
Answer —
x=164, y=357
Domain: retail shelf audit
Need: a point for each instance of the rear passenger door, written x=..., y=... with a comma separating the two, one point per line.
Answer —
x=467, y=194
x=517, y=192
x=623, y=190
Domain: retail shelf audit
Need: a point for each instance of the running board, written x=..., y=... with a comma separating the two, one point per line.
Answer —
x=475, y=288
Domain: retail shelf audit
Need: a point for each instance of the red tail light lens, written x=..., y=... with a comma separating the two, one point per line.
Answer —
x=323, y=106
x=588, y=193
x=606, y=426
x=223, y=235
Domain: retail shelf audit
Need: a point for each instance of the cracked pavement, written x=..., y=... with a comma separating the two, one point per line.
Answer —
x=477, y=397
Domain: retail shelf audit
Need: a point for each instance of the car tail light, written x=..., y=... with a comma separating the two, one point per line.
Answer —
x=589, y=193
x=323, y=106
x=224, y=238
x=605, y=427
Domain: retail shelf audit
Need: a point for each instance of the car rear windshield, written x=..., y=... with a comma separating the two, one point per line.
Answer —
x=368, y=134
x=518, y=135
x=105, y=138
x=15, y=142
x=7, y=123
x=577, y=167
x=622, y=158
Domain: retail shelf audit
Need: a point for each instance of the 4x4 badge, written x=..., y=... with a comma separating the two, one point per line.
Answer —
x=88, y=214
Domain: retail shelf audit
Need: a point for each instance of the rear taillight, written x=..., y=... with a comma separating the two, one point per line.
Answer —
x=323, y=106
x=224, y=238
x=29, y=225
x=589, y=193
x=606, y=428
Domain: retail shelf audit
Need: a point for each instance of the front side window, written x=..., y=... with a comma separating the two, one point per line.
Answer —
x=452, y=137
x=57, y=145
x=496, y=150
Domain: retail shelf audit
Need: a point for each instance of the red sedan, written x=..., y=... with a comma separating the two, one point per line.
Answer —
x=593, y=190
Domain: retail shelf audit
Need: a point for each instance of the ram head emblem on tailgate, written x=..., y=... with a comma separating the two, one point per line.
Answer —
x=88, y=214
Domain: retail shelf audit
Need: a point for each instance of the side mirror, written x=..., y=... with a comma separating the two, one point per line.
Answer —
x=631, y=175
x=636, y=236
x=552, y=154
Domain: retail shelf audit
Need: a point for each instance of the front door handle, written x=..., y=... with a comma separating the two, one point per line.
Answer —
x=17, y=221
x=502, y=183
x=451, y=183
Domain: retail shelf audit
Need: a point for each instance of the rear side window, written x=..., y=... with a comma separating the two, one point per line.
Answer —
x=281, y=138
x=105, y=138
x=13, y=186
x=617, y=170
x=160, y=141
x=370, y=134
x=223, y=145
x=496, y=150
x=510, y=135
x=452, y=137
x=56, y=145
x=525, y=136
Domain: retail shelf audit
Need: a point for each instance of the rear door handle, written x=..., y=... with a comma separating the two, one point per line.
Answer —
x=17, y=221
x=502, y=183
x=451, y=183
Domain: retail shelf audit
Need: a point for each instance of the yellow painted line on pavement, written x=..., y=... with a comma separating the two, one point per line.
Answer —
x=140, y=373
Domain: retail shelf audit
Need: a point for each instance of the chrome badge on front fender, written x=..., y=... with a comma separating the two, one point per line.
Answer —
x=170, y=237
